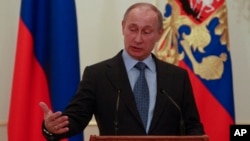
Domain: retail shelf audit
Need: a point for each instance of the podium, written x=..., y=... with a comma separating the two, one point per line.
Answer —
x=148, y=138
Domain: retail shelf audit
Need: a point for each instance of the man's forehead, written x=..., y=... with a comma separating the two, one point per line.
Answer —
x=142, y=9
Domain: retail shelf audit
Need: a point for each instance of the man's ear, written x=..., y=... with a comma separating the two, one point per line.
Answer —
x=160, y=32
x=123, y=26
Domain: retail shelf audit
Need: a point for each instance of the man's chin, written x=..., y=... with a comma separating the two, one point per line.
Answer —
x=137, y=56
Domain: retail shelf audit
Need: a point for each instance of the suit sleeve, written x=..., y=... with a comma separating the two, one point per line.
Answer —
x=81, y=108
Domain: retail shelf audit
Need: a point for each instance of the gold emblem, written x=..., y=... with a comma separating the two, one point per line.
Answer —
x=211, y=67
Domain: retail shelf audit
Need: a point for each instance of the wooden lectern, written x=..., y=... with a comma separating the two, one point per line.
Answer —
x=148, y=138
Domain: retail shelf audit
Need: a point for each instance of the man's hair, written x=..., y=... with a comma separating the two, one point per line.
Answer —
x=151, y=6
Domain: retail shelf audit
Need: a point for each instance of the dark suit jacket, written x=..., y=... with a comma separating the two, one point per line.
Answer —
x=103, y=82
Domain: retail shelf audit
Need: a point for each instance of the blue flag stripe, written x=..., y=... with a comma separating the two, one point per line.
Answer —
x=53, y=25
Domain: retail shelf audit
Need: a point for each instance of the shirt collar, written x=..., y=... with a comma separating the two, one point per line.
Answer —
x=130, y=62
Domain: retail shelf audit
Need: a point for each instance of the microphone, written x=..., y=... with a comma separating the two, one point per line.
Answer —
x=116, y=121
x=182, y=124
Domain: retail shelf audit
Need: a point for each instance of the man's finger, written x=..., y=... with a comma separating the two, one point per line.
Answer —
x=44, y=107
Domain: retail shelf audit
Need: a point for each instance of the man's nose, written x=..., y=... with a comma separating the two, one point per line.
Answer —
x=138, y=38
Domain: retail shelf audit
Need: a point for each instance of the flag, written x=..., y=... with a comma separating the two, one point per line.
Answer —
x=196, y=38
x=46, y=66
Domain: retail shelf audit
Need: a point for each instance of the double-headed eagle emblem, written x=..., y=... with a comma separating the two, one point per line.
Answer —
x=174, y=46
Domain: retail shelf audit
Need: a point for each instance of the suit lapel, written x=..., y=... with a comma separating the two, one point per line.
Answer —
x=162, y=83
x=117, y=74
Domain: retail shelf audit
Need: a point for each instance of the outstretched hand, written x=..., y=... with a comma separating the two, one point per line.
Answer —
x=54, y=122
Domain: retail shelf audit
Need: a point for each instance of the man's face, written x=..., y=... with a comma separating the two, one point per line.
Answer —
x=141, y=32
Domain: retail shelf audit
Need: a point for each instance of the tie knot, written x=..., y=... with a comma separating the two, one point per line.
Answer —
x=140, y=66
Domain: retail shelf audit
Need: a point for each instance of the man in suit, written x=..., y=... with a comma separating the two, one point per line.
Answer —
x=107, y=89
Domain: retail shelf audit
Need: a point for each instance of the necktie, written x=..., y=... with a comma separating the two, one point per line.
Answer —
x=141, y=93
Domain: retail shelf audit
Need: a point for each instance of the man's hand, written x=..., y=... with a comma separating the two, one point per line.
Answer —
x=54, y=122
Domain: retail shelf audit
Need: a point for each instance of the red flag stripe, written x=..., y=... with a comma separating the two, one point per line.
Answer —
x=213, y=115
x=30, y=75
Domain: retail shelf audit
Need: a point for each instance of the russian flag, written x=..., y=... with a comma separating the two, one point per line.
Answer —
x=196, y=38
x=46, y=66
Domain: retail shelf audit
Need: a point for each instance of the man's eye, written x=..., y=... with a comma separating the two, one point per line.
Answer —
x=133, y=29
x=146, y=32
